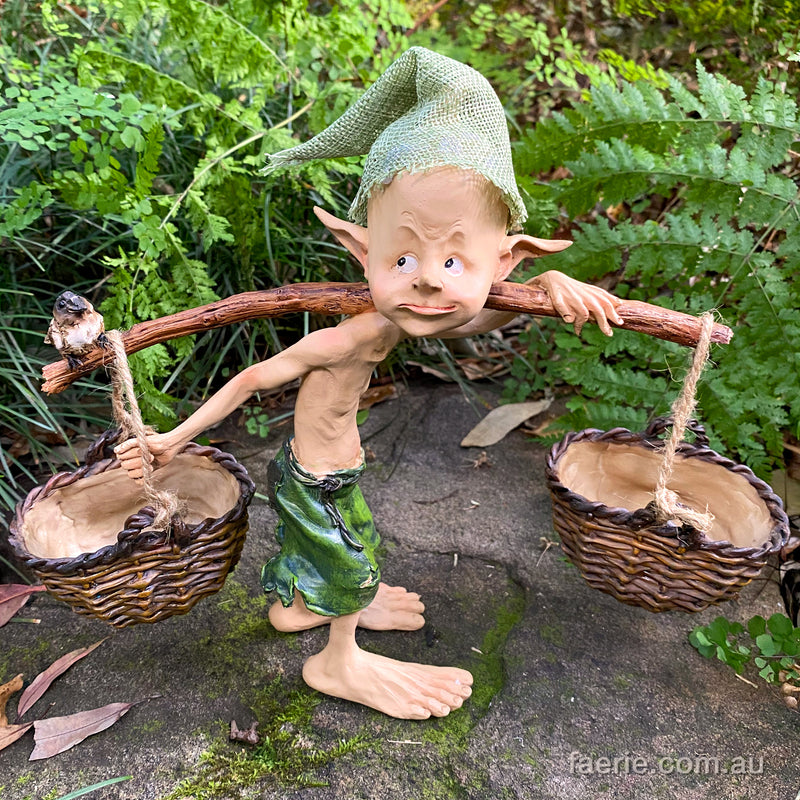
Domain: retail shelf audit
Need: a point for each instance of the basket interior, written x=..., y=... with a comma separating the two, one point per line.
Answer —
x=89, y=513
x=624, y=476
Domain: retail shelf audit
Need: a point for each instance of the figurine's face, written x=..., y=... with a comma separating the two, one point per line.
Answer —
x=434, y=250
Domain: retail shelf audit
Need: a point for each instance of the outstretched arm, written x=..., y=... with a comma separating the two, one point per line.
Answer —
x=288, y=365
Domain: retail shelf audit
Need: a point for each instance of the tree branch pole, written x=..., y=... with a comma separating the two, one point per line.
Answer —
x=354, y=298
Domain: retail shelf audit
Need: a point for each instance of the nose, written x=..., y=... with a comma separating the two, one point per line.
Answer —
x=428, y=279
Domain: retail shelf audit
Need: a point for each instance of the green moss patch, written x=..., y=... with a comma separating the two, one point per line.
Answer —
x=289, y=753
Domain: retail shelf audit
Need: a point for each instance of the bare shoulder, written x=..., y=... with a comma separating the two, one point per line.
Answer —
x=318, y=348
x=365, y=337
x=368, y=335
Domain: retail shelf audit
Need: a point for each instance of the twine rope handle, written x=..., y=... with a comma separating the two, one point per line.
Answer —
x=667, y=503
x=165, y=504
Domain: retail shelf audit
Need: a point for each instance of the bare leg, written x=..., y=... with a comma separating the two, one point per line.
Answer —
x=393, y=609
x=397, y=688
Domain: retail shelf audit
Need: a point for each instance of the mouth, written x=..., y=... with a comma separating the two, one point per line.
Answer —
x=427, y=310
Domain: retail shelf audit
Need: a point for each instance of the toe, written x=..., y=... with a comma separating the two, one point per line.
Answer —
x=439, y=709
x=411, y=622
x=452, y=700
x=418, y=712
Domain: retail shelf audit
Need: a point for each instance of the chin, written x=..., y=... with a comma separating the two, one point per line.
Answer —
x=419, y=326
x=414, y=331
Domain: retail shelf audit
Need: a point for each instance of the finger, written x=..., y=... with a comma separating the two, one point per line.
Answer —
x=581, y=318
x=608, y=304
x=561, y=308
x=598, y=312
x=135, y=475
x=598, y=315
x=135, y=457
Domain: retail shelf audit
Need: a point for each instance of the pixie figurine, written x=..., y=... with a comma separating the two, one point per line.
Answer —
x=429, y=227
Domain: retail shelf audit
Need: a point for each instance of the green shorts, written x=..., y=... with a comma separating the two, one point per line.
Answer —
x=327, y=537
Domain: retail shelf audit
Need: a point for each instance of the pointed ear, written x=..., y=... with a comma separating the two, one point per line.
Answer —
x=350, y=235
x=519, y=246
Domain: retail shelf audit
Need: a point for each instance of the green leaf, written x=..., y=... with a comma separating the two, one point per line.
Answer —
x=698, y=638
x=130, y=105
x=756, y=626
x=131, y=136
x=767, y=673
x=780, y=625
x=767, y=645
x=719, y=629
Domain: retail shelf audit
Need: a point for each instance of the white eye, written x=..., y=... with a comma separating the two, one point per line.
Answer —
x=454, y=266
x=406, y=264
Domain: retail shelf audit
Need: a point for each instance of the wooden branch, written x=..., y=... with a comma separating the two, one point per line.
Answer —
x=350, y=299
x=662, y=323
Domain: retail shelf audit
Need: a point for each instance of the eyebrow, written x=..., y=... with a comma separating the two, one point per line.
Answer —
x=409, y=230
x=449, y=236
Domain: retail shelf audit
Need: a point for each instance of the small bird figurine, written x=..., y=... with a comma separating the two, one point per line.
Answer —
x=75, y=328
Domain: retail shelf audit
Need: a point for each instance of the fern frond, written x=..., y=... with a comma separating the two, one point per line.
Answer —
x=729, y=238
x=98, y=67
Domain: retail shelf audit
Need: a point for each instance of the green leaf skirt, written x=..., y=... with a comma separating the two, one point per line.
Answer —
x=327, y=537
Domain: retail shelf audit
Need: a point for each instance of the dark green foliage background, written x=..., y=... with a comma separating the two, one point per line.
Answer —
x=132, y=133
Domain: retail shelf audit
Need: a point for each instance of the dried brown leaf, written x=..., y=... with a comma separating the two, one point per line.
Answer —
x=57, y=734
x=501, y=421
x=10, y=607
x=42, y=681
x=6, y=690
x=476, y=368
x=248, y=735
x=12, y=597
x=10, y=590
x=377, y=394
x=428, y=370
x=10, y=733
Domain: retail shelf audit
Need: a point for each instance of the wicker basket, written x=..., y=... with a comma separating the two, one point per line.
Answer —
x=140, y=574
x=593, y=475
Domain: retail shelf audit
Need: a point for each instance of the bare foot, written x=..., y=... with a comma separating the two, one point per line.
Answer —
x=393, y=609
x=396, y=688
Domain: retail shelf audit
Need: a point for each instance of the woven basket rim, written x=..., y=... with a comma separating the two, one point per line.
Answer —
x=133, y=538
x=634, y=520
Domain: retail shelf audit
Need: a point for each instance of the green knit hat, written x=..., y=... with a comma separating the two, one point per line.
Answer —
x=425, y=111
